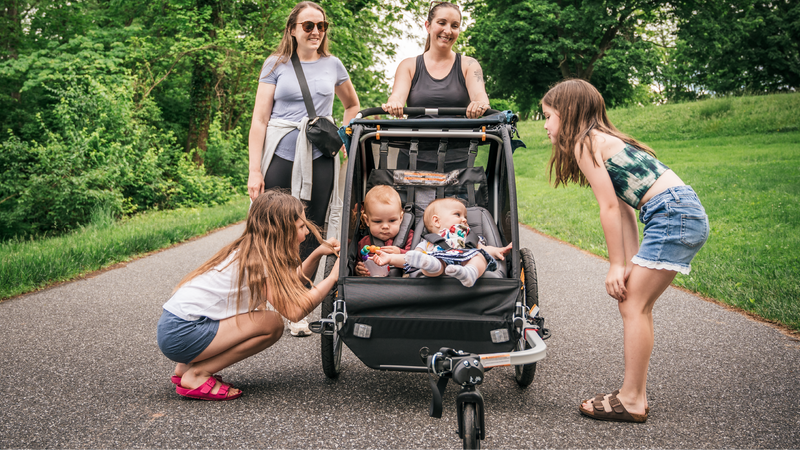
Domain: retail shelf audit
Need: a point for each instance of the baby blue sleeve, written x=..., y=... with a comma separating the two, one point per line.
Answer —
x=341, y=73
x=269, y=72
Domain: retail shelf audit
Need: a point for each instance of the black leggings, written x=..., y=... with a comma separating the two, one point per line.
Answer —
x=279, y=174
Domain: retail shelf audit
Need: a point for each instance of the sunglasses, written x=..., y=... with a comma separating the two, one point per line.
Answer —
x=308, y=26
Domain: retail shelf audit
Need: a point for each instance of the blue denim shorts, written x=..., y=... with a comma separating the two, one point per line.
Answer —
x=183, y=340
x=675, y=228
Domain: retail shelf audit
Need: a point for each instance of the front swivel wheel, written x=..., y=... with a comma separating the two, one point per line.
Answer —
x=470, y=427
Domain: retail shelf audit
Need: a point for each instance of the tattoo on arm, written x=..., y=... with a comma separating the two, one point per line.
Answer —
x=479, y=75
x=470, y=61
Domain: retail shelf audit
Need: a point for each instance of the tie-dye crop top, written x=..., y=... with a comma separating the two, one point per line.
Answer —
x=633, y=172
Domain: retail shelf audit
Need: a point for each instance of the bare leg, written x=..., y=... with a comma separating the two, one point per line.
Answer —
x=644, y=287
x=237, y=338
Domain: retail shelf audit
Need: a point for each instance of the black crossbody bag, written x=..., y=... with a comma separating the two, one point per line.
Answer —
x=321, y=132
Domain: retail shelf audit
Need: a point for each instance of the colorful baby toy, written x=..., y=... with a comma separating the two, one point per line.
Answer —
x=367, y=250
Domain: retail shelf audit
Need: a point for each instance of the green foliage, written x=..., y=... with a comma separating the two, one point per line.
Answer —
x=738, y=46
x=123, y=107
x=99, y=153
x=746, y=172
x=226, y=154
x=526, y=46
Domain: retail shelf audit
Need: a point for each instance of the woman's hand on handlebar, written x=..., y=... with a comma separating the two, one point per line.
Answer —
x=393, y=108
x=255, y=184
x=475, y=110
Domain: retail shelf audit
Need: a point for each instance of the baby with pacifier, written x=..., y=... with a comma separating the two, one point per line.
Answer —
x=451, y=253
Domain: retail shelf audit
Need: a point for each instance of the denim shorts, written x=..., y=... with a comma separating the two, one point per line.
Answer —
x=675, y=228
x=183, y=340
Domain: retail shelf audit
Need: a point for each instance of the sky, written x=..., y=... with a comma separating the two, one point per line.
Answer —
x=406, y=48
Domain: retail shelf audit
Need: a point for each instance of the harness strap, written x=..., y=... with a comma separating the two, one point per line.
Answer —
x=412, y=165
x=440, y=156
x=437, y=388
x=384, y=155
x=473, y=152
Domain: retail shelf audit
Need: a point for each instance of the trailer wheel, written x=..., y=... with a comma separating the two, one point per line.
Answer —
x=524, y=374
x=470, y=427
x=331, y=346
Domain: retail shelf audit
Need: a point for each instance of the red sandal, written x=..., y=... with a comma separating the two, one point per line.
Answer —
x=177, y=380
x=203, y=392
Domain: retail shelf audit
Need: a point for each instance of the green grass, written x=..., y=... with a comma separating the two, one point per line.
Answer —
x=29, y=265
x=741, y=155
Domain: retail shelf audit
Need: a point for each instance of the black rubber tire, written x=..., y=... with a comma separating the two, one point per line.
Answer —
x=470, y=427
x=524, y=374
x=331, y=346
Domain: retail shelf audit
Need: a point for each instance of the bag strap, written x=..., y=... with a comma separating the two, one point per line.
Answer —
x=301, y=79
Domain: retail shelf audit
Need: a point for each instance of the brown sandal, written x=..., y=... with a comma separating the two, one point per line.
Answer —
x=618, y=412
x=602, y=396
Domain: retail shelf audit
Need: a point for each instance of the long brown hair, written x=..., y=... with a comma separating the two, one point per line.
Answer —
x=288, y=43
x=432, y=14
x=581, y=110
x=268, y=251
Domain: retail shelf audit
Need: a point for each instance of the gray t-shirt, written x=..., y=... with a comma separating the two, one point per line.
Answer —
x=322, y=76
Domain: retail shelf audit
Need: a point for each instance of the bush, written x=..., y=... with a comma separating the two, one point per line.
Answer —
x=100, y=151
x=227, y=154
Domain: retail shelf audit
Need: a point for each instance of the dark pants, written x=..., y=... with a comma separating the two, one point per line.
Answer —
x=279, y=174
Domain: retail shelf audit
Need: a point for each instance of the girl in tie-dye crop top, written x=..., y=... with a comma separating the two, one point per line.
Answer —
x=633, y=172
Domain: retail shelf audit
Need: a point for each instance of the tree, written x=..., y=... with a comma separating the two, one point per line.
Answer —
x=526, y=46
x=738, y=46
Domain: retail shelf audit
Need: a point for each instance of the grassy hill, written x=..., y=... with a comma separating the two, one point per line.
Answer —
x=741, y=155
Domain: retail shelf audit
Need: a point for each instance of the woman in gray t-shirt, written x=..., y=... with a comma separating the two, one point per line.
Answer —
x=279, y=97
x=279, y=104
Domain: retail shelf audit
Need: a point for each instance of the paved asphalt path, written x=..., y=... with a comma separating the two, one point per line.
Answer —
x=81, y=369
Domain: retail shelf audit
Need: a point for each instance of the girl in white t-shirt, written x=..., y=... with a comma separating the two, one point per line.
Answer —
x=220, y=315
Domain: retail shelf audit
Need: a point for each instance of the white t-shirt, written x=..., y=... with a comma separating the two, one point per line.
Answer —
x=212, y=295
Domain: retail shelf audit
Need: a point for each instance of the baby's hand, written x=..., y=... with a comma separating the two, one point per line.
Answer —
x=381, y=258
x=361, y=270
x=498, y=253
x=391, y=249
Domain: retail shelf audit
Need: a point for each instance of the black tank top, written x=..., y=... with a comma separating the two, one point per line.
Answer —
x=450, y=91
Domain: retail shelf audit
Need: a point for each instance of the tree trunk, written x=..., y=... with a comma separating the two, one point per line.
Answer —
x=202, y=89
x=11, y=36
x=201, y=107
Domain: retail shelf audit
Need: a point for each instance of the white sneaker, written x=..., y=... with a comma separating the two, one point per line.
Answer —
x=299, y=329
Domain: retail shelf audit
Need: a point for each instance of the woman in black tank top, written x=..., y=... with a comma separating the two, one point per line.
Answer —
x=439, y=77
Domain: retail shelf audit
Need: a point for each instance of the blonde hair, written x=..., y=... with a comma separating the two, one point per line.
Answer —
x=581, y=110
x=432, y=15
x=288, y=43
x=266, y=251
x=433, y=210
x=382, y=194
